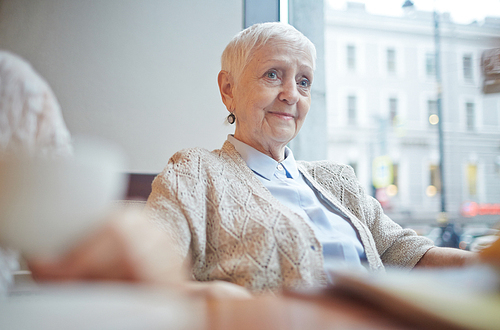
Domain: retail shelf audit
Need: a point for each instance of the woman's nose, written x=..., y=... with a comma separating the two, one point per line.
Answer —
x=289, y=92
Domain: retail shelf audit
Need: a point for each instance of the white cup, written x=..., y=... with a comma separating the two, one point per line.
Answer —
x=46, y=205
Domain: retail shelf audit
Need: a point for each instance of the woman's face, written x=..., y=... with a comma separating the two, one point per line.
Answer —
x=272, y=96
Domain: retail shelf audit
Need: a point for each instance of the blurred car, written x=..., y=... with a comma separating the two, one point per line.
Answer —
x=483, y=242
x=477, y=237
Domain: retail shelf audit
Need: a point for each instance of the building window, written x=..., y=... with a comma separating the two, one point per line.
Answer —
x=470, y=115
x=430, y=64
x=395, y=174
x=351, y=57
x=432, y=112
x=391, y=60
x=472, y=179
x=435, y=181
x=467, y=66
x=351, y=109
x=393, y=110
x=392, y=189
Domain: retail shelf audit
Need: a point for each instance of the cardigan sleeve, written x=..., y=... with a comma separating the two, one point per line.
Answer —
x=165, y=209
x=398, y=247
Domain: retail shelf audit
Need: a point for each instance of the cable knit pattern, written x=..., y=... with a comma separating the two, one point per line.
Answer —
x=384, y=240
x=214, y=208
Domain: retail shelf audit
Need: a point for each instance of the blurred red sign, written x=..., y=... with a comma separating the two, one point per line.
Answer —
x=471, y=209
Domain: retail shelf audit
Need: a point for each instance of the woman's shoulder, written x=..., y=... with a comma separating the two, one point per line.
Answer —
x=326, y=166
x=193, y=159
x=189, y=154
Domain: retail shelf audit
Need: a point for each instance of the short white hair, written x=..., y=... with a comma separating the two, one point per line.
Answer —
x=238, y=53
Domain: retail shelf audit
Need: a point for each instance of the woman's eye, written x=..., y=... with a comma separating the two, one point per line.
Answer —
x=304, y=83
x=272, y=75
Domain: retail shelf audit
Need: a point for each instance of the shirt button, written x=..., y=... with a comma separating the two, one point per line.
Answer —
x=280, y=167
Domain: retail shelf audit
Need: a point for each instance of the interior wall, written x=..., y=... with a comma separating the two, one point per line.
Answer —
x=140, y=73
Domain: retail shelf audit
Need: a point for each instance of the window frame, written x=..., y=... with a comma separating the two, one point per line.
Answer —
x=468, y=73
x=391, y=61
x=470, y=118
x=430, y=64
x=352, y=109
x=351, y=57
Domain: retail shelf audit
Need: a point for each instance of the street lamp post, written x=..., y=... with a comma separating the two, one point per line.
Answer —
x=442, y=217
x=449, y=236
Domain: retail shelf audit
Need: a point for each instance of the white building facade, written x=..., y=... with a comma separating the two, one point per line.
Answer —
x=381, y=95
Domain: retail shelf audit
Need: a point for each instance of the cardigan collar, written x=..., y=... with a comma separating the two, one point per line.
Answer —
x=262, y=164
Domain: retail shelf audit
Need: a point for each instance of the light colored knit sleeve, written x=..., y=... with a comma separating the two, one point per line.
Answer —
x=398, y=247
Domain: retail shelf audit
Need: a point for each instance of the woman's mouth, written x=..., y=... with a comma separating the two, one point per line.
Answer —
x=283, y=115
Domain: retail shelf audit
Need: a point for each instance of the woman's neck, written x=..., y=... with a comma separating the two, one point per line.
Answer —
x=275, y=151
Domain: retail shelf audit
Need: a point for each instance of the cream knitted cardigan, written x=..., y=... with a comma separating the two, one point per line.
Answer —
x=215, y=208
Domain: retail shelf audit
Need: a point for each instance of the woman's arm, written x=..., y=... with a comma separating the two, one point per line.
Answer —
x=447, y=257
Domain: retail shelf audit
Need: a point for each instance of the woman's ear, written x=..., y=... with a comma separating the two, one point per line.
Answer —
x=226, y=85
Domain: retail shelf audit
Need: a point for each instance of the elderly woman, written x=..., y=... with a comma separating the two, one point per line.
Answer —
x=252, y=215
x=249, y=213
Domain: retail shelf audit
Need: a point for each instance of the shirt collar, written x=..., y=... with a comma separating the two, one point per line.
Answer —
x=262, y=164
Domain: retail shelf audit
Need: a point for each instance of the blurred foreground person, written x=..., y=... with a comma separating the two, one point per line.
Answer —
x=128, y=247
x=31, y=124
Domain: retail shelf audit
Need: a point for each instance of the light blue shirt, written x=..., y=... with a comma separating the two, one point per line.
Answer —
x=341, y=244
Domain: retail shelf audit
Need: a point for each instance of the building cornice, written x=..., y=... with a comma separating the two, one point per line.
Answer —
x=421, y=24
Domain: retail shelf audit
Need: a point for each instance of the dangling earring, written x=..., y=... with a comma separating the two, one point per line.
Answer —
x=231, y=118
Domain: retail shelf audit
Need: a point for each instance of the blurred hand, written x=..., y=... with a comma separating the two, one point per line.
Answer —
x=127, y=248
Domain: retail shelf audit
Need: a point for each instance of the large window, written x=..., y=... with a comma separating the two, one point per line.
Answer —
x=384, y=97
